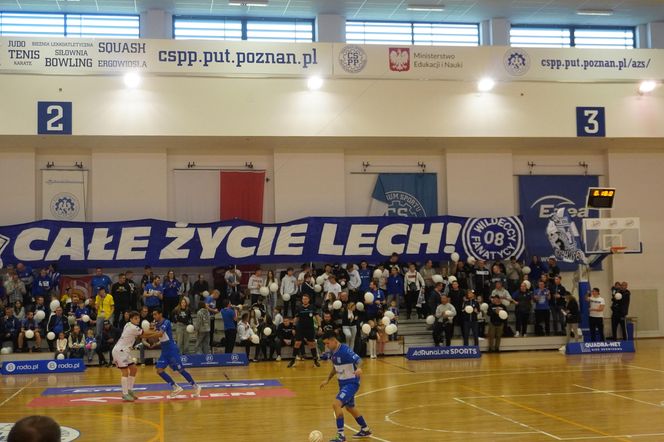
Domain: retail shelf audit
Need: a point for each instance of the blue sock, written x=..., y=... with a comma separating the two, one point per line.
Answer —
x=167, y=378
x=361, y=422
x=185, y=374
x=340, y=425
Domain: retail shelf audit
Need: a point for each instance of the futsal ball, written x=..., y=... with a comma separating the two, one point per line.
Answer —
x=528, y=284
x=468, y=309
x=451, y=279
x=366, y=328
x=455, y=256
x=368, y=297
x=93, y=345
x=85, y=318
x=315, y=436
x=190, y=328
x=274, y=287
x=318, y=288
x=389, y=314
x=526, y=270
x=61, y=356
x=391, y=329
x=145, y=325
x=264, y=291
x=285, y=297
x=267, y=331
x=471, y=260
x=484, y=307
x=255, y=339
x=502, y=314
x=29, y=334
x=320, y=280
x=50, y=336
x=54, y=305
x=618, y=296
x=449, y=313
x=437, y=279
x=39, y=315
x=359, y=306
x=337, y=305
x=385, y=321
x=431, y=319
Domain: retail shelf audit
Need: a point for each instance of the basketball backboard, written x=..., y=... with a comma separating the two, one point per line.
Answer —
x=611, y=235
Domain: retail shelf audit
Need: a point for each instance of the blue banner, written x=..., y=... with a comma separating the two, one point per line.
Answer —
x=552, y=232
x=168, y=244
x=582, y=348
x=214, y=360
x=407, y=194
x=42, y=366
x=460, y=352
x=216, y=385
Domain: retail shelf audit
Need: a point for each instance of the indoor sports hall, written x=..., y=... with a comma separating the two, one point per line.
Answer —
x=331, y=220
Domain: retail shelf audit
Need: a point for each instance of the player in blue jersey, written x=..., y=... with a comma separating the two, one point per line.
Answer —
x=346, y=367
x=170, y=356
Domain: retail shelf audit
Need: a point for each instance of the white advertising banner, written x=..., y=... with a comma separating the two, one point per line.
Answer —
x=64, y=194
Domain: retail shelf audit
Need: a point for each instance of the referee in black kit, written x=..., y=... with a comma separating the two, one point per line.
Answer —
x=305, y=329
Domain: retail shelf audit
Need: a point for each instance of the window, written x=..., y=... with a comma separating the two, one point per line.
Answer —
x=251, y=29
x=68, y=25
x=572, y=36
x=412, y=33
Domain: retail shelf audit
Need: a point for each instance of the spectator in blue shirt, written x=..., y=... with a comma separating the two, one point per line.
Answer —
x=153, y=294
x=42, y=284
x=229, y=315
x=171, y=291
x=542, y=297
x=394, y=285
x=365, y=277
x=101, y=280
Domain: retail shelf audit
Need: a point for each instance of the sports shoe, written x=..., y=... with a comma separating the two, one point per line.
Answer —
x=517, y=334
x=362, y=433
x=316, y=363
x=278, y=358
x=176, y=390
x=197, y=391
x=298, y=357
x=338, y=438
x=291, y=363
x=128, y=398
x=133, y=394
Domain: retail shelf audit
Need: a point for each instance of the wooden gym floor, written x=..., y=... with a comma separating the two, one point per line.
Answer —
x=526, y=396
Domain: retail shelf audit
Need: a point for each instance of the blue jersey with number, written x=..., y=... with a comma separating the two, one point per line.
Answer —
x=166, y=340
x=345, y=363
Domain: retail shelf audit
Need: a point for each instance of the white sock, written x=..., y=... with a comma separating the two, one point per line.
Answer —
x=130, y=382
x=124, y=383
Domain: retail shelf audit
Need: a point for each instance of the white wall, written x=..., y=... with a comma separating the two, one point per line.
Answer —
x=17, y=184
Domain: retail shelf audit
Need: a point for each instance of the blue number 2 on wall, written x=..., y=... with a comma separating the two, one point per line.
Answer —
x=54, y=117
x=590, y=122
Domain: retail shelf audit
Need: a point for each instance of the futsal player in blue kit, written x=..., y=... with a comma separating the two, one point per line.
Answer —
x=170, y=356
x=346, y=367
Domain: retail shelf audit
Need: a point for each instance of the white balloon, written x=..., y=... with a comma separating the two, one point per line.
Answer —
x=391, y=329
x=455, y=257
x=431, y=319
x=320, y=280
x=71, y=319
x=54, y=305
x=87, y=302
x=93, y=345
x=437, y=279
x=468, y=309
x=205, y=294
x=61, y=356
x=389, y=314
x=285, y=297
x=471, y=260
x=39, y=315
x=366, y=329
x=85, y=318
x=255, y=339
x=385, y=321
x=267, y=331
x=264, y=291
x=318, y=288
x=377, y=274
x=29, y=334
x=528, y=284
x=502, y=314
x=359, y=306
x=451, y=279
x=258, y=313
x=618, y=296
x=526, y=270
x=484, y=307
x=449, y=313
x=337, y=305
x=368, y=297
x=50, y=336
x=145, y=325
x=274, y=287
x=190, y=328
x=4, y=351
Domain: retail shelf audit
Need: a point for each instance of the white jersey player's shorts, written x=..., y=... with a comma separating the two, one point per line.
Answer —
x=122, y=357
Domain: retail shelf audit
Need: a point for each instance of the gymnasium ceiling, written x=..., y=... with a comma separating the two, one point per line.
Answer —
x=626, y=12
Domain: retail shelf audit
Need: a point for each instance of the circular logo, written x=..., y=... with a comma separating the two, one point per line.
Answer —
x=209, y=358
x=352, y=59
x=183, y=359
x=403, y=204
x=10, y=367
x=516, y=61
x=235, y=357
x=493, y=239
x=52, y=365
x=65, y=206
x=67, y=434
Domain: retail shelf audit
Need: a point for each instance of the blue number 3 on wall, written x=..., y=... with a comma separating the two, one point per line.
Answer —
x=54, y=117
x=590, y=122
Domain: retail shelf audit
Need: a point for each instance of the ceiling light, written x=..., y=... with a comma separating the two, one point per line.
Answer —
x=647, y=86
x=132, y=80
x=248, y=2
x=426, y=8
x=314, y=83
x=485, y=84
x=604, y=12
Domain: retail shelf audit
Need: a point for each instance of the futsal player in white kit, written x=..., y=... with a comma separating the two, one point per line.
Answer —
x=122, y=356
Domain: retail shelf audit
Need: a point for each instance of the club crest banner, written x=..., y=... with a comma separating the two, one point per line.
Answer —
x=349, y=239
x=64, y=194
x=405, y=194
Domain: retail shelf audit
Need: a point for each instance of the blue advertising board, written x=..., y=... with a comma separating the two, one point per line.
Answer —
x=215, y=360
x=43, y=366
x=582, y=348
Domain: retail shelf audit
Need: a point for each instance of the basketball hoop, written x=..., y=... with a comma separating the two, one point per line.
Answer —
x=618, y=249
